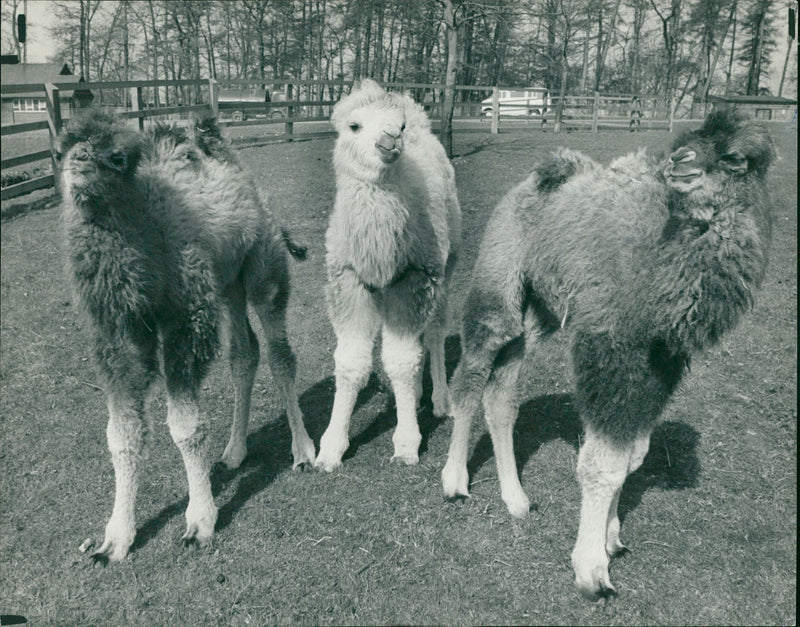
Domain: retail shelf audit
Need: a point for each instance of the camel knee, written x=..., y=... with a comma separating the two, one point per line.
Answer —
x=353, y=363
x=602, y=467
x=401, y=356
x=185, y=426
x=282, y=361
x=244, y=351
x=126, y=429
x=640, y=448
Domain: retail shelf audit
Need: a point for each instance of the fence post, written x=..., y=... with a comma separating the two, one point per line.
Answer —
x=289, y=127
x=595, y=112
x=495, y=110
x=673, y=103
x=213, y=97
x=136, y=104
x=54, y=125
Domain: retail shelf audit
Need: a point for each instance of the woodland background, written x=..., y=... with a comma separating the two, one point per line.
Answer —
x=682, y=49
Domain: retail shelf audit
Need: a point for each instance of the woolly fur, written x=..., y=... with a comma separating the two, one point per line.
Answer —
x=646, y=263
x=392, y=236
x=167, y=240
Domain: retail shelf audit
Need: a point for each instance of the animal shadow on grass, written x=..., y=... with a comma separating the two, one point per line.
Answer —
x=269, y=452
x=269, y=448
x=671, y=462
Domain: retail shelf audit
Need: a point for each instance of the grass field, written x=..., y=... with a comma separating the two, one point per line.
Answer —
x=710, y=517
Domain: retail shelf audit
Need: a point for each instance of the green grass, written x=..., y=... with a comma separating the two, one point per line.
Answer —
x=710, y=517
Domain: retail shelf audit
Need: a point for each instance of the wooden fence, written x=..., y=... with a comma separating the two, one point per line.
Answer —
x=477, y=108
x=54, y=122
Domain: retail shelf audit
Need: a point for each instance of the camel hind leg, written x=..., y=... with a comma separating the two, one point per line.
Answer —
x=244, y=356
x=269, y=299
x=433, y=340
x=500, y=412
x=487, y=329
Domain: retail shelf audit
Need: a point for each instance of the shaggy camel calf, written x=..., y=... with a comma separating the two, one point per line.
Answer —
x=391, y=245
x=168, y=241
x=646, y=263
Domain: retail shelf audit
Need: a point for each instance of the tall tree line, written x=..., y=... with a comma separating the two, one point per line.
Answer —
x=681, y=49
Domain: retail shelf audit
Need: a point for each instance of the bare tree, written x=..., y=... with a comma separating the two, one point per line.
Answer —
x=705, y=22
x=639, y=15
x=10, y=38
x=789, y=48
x=79, y=14
x=671, y=30
x=759, y=43
x=604, y=42
x=448, y=105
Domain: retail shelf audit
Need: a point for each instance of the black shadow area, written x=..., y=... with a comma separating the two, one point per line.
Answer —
x=269, y=452
x=541, y=419
x=269, y=449
x=671, y=462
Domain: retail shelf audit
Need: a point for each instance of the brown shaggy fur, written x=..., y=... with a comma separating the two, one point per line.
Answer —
x=168, y=241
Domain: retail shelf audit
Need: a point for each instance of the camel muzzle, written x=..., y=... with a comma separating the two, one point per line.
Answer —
x=389, y=147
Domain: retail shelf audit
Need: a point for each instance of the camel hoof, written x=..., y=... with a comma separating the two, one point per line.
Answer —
x=405, y=459
x=193, y=539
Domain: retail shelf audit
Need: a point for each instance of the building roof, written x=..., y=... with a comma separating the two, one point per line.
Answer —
x=36, y=73
x=753, y=100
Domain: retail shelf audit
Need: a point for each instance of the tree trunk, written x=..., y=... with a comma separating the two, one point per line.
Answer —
x=562, y=92
x=789, y=46
x=451, y=34
x=367, y=42
x=754, y=73
x=601, y=60
x=710, y=77
x=585, y=70
x=126, y=41
x=638, y=22
x=729, y=73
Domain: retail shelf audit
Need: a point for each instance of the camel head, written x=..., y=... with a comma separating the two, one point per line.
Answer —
x=728, y=146
x=95, y=149
x=370, y=124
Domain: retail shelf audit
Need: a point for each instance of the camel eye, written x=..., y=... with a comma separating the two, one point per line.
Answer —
x=733, y=157
x=355, y=127
x=734, y=161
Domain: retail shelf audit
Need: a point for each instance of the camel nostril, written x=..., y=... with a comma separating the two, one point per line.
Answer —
x=683, y=155
x=387, y=142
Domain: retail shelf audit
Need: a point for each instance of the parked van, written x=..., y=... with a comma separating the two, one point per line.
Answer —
x=251, y=95
x=520, y=102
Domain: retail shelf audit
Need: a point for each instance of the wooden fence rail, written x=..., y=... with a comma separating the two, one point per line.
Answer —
x=54, y=123
x=295, y=101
